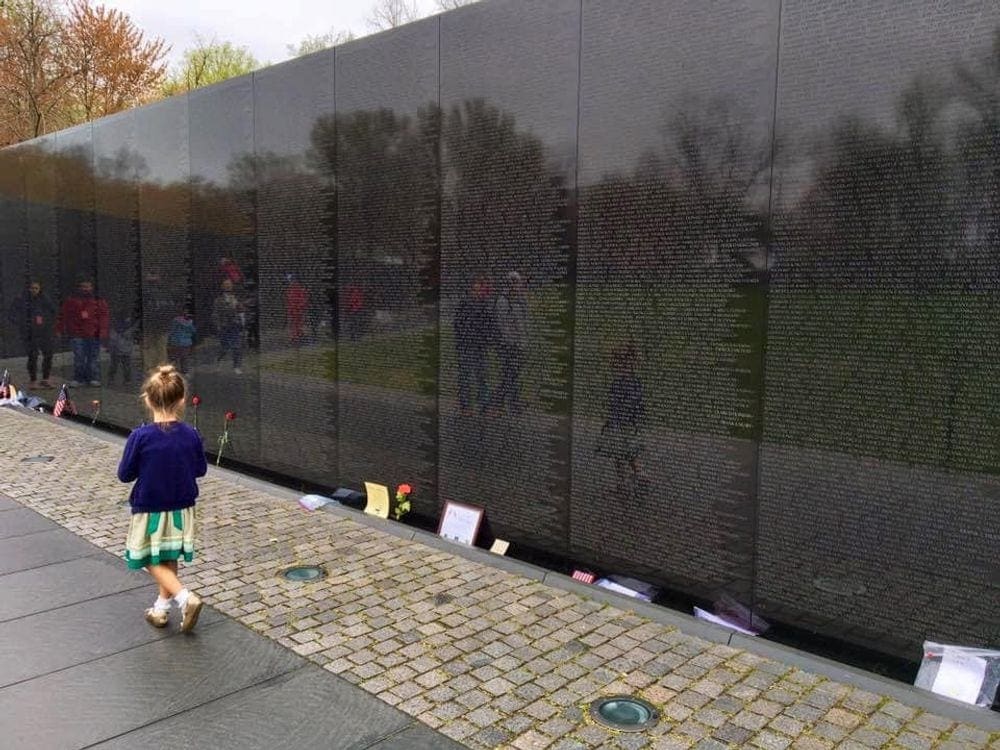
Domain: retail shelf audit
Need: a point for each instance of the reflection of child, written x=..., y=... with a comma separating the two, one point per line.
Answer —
x=121, y=344
x=620, y=438
x=180, y=341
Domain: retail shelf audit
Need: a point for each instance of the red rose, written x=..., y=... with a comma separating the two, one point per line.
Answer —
x=196, y=400
x=230, y=416
x=404, y=489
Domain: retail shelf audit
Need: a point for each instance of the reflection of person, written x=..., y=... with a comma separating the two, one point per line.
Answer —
x=84, y=319
x=230, y=269
x=296, y=305
x=180, y=340
x=164, y=459
x=620, y=436
x=227, y=316
x=511, y=313
x=473, y=326
x=33, y=315
x=157, y=309
x=121, y=344
x=355, y=310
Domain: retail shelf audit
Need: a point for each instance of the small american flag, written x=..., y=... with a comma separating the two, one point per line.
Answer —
x=583, y=576
x=63, y=403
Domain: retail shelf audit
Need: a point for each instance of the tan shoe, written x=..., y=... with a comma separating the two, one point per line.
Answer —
x=190, y=612
x=157, y=617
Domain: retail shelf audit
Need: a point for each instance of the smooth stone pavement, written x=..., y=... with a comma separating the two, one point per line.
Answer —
x=79, y=667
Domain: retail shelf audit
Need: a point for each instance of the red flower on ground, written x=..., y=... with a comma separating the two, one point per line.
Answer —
x=196, y=400
x=404, y=489
x=230, y=416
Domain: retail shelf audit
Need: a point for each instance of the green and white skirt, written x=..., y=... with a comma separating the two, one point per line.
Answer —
x=155, y=538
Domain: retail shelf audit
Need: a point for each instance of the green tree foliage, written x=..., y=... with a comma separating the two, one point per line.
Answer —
x=208, y=62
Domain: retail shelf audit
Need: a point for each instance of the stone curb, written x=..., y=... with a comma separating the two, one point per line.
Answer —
x=984, y=718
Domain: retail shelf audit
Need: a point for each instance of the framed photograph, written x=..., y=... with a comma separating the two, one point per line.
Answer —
x=460, y=522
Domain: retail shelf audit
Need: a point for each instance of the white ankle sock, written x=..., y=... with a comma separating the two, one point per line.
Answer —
x=161, y=604
x=182, y=597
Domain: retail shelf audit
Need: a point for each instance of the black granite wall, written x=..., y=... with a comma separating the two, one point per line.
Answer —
x=702, y=292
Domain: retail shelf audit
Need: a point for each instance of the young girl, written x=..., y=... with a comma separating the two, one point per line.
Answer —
x=165, y=457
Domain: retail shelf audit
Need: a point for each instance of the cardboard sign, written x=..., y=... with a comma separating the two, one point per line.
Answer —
x=460, y=522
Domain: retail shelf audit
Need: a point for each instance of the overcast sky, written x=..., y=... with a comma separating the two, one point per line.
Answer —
x=264, y=26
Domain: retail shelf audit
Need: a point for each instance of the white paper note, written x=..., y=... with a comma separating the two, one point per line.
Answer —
x=960, y=676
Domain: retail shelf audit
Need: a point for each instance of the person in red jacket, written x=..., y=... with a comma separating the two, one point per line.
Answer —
x=83, y=319
x=296, y=305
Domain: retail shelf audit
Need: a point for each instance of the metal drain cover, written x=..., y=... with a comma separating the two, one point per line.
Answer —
x=37, y=459
x=304, y=573
x=624, y=713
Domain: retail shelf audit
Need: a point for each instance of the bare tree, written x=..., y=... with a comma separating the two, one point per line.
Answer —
x=34, y=72
x=445, y=5
x=388, y=14
x=316, y=42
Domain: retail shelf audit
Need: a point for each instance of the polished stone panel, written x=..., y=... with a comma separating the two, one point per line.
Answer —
x=387, y=133
x=39, y=589
x=113, y=695
x=880, y=457
x=21, y=521
x=117, y=171
x=60, y=638
x=224, y=368
x=293, y=148
x=509, y=79
x=14, y=240
x=304, y=709
x=7, y=504
x=675, y=141
x=50, y=545
x=164, y=221
x=704, y=293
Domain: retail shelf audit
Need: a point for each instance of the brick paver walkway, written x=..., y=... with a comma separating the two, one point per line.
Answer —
x=489, y=658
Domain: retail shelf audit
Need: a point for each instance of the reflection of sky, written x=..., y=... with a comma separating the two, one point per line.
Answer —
x=288, y=100
x=221, y=128
x=520, y=57
x=163, y=137
x=397, y=71
x=641, y=59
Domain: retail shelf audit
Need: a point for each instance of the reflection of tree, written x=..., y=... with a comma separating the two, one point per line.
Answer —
x=912, y=205
x=696, y=204
x=501, y=202
x=715, y=159
x=978, y=148
x=386, y=167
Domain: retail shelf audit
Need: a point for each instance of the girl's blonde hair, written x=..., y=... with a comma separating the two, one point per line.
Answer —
x=164, y=390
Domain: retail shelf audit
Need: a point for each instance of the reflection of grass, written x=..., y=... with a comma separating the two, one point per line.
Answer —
x=881, y=373
x=386, y=361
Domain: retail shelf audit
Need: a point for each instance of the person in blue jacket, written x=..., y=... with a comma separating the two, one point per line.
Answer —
x=164, y=459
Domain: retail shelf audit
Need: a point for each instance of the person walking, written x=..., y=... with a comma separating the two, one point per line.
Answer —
x=296, y=305
x=512, y=335
x=474, y=334
x=228, y=318
x=165, y=459
x=84, y=319
x=33, y=314
x=121, y=346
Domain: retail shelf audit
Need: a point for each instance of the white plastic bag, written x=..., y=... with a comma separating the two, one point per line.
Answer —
x=970, y=675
